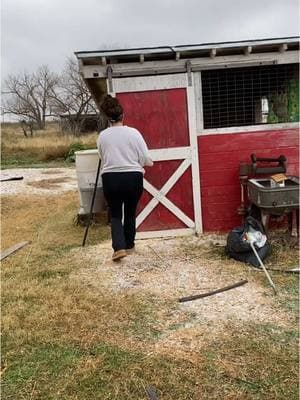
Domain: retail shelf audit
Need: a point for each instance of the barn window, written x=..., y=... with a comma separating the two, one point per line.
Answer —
x=250, y=96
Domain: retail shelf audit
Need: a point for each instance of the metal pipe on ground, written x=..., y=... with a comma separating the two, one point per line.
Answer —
x=262, y=265
x=200, y=296
x=14, y=178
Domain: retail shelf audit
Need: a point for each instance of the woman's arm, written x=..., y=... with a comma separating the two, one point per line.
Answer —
x=143, y=152
x=99, y=146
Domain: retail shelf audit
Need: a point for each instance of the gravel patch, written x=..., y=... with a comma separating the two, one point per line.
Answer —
x=162, y=268
x=40, y=181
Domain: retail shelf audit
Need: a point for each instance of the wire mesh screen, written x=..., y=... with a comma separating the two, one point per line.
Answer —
x=250, y=96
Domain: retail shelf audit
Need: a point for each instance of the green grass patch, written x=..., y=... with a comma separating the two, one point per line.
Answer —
x=261, y=359
x=289, y=294
x=143, y=321
x=38, y=369
x=77, y=146
x=8, y=162
x=48, y=274
x=51, y=371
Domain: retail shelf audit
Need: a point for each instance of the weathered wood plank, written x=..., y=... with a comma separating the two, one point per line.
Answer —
x=13, y=249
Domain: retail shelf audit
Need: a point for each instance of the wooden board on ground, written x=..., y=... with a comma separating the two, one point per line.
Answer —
x=13, y=249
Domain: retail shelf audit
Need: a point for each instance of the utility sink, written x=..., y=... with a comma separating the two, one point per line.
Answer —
x=277, y=200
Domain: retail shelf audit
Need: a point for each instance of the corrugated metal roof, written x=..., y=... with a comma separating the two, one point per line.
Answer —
x=159, y=52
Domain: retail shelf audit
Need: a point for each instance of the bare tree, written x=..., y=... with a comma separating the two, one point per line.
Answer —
x=28, y=96
x=72, y=99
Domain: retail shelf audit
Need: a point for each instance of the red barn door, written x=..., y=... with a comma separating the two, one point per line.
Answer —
x=161, y=108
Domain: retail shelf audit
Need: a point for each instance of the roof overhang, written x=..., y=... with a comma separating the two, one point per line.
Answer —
x=100, y=67
x=188, y=51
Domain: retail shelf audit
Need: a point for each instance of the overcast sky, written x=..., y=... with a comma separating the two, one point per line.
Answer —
x=37, y=32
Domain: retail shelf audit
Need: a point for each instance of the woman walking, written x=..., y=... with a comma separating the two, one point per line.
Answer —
x=123, y=154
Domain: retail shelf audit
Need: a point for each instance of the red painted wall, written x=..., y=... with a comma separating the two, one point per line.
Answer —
x=160, y=115
x=219, y=159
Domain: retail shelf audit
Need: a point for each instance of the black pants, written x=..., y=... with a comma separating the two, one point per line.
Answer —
x=122, y=189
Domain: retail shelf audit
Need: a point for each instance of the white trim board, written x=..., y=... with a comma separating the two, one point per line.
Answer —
x=191, y=109
x=198, y=101
x=171, y=153
x=147, y=83
x=249, y=128
x=165, y=233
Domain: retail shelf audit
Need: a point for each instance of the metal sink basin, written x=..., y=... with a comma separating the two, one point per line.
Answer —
x=277, y=200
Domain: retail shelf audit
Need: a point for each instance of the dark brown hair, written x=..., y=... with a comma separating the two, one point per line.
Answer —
x=112, y=108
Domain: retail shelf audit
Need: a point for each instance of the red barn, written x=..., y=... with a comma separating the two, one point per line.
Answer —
x=202, y=109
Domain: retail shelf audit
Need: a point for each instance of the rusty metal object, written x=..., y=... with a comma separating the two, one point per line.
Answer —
x=245, y=169
x=264, y=166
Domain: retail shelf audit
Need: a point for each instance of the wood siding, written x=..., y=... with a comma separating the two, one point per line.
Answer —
x=161, y=116
x=219, y=159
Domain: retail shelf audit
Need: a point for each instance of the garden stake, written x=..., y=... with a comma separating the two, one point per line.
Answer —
x=92, y=204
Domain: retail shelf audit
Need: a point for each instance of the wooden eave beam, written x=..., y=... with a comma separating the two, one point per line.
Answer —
x=173, y=66
x=213, y=53
x=247, y=50
x=283, y=47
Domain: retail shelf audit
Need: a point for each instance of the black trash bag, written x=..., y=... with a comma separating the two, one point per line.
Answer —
x=239, y=249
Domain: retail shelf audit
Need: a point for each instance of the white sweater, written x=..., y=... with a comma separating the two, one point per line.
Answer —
x=122, y=149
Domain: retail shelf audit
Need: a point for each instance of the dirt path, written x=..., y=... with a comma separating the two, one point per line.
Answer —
x=40, y=181
x=167, y=269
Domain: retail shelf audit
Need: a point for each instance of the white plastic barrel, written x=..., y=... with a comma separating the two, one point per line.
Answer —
x=86, y=162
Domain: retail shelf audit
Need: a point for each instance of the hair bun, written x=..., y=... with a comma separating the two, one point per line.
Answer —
x=112, y=108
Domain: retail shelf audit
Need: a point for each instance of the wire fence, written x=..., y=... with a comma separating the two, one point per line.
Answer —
x=250, y=96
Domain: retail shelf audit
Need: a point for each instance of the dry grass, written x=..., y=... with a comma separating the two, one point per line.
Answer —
x=66, y=338
x=44, y=146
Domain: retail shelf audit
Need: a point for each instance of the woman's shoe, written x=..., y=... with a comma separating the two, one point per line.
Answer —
x=119, y=254
x=130, y=251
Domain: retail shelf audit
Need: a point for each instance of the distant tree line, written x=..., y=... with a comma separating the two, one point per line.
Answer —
x=32, y=97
